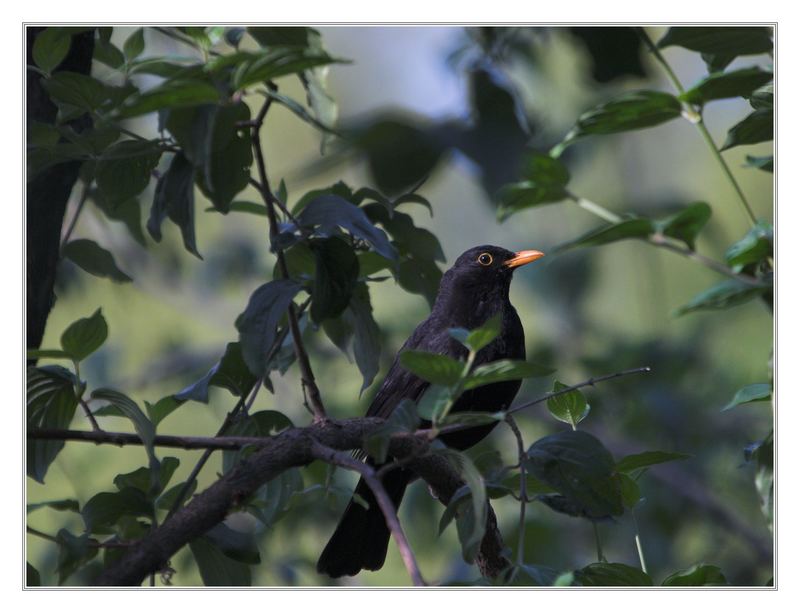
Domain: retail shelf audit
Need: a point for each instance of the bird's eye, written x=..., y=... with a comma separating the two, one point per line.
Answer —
x=485, y=259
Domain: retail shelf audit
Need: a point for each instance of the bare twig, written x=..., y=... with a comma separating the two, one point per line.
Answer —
x=316, y=407
x=338, y=458
x=90, y=543
x=92, y=419
x=523, y=487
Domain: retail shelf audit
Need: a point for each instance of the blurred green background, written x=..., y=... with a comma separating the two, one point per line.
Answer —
x=587, y=312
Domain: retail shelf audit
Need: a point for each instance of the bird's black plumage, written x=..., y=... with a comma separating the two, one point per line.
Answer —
x=472, y=291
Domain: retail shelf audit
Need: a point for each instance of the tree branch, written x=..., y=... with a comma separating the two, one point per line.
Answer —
x=338, y=458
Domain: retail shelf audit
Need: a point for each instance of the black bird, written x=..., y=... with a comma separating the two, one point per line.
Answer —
x=472, y=291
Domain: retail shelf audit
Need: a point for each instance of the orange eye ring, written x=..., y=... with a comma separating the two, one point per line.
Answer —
x=485, y=259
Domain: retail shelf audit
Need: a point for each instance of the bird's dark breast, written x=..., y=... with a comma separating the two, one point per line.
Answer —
x=509, y=345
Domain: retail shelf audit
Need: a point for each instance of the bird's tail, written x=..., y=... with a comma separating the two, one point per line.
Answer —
x=362, y=537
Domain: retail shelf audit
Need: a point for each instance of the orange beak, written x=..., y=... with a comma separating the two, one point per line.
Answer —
x=523, y=257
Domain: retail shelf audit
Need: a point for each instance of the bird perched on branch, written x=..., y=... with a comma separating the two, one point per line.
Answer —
x=472, y=291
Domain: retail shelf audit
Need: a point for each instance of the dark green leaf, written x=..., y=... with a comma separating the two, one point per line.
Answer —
x=281, y=36
x=108, y=53
x=134, y=45
x=85, y=336
x=699, y=574
x=731, y=84
x=468, y=419
x=630, y=228
x=257, y=326
x=174, y=198
x=410, y=240
x=95, y=260
x=581, y=469
x=330, y=211
x=51, y=403
x=614, y=574
x=763, y=162
x=128, y=212
x=36, y=354
x=718, y=40
x=631, y=495
x=439, y=369
x=168, y=498
x=471, y=521
x=50, y=48
x=630, y=111
x=84, y=93
x=403, y=418
x=140, y=478
x=125, y=168
x=722, y=296
x=231, y=373
x=241, y=206
x=259, y=424
x=32, y=578
x=335, y=276
x=570, y=407
x=239, y=546
x=478, y=338
x=67, y=504
x=755, y=128
x=103, y=510
x=763, y=97
x=754, y=247
x=686, y=224
x=755, y=392
x=420, y=277
x=215, y=567
x=278, y=62
x=525, y=194
x=504, y=370
x=366, y=334
x=648, y=458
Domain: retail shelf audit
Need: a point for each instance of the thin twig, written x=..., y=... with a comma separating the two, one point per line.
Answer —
x=523, y=488
x=78, y=210
x=317, y=408
x=92, y=419
x=90, y=543
x=338, y=458
x=701, y=126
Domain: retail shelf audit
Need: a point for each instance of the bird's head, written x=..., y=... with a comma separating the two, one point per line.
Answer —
x=482, y=274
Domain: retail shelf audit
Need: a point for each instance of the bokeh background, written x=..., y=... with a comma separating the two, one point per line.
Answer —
x=587, y=312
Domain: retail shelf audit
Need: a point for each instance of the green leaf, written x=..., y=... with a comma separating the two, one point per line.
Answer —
x=366, y=334
x=631, y=495
x=134, y=45
x=257, y=325
x=260, y=424
x=471, y=520
x=581, y=470
x=95, y=260
x=50, y=48
x=73, y=552
x=763, y=162
x=722, y=296
x=162, y=408
x=686, y=224
x=239, y=546
x=336, y=272
x=231, y=373
x=329, y=211
x=174, y=93
x=636, y=461
x=467, y=418
x=570, y=407
x=420, y=277
x=763, y=97
x=719, y=85
x=697, y=575
x=36, y=354
x=439, y=369
x=281, y=36
x=108, y=53
x=168, y=498
x=433, y=402
x=630, y=111
x=128, y=212
x=545, y=181
x=630, y=228
x=755, y=392
x=104, y=510
x=278, y=62
x=504, y=370
x=403, y=418
x=217, y=569
x=141, y=480
x=478, y=338
x=717, y=40
x=85, y=336
x=754, y=247
x=228, y=155
x=241, y=206
x=410, y=240
x=83, y=92
x=51, y=403
x=125, y=168
x=174, y=198
x=755, y=128
x=611, y=574
x=67, y=504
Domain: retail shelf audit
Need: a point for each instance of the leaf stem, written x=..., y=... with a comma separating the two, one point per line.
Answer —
x=523, y=488
x=701, y=126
